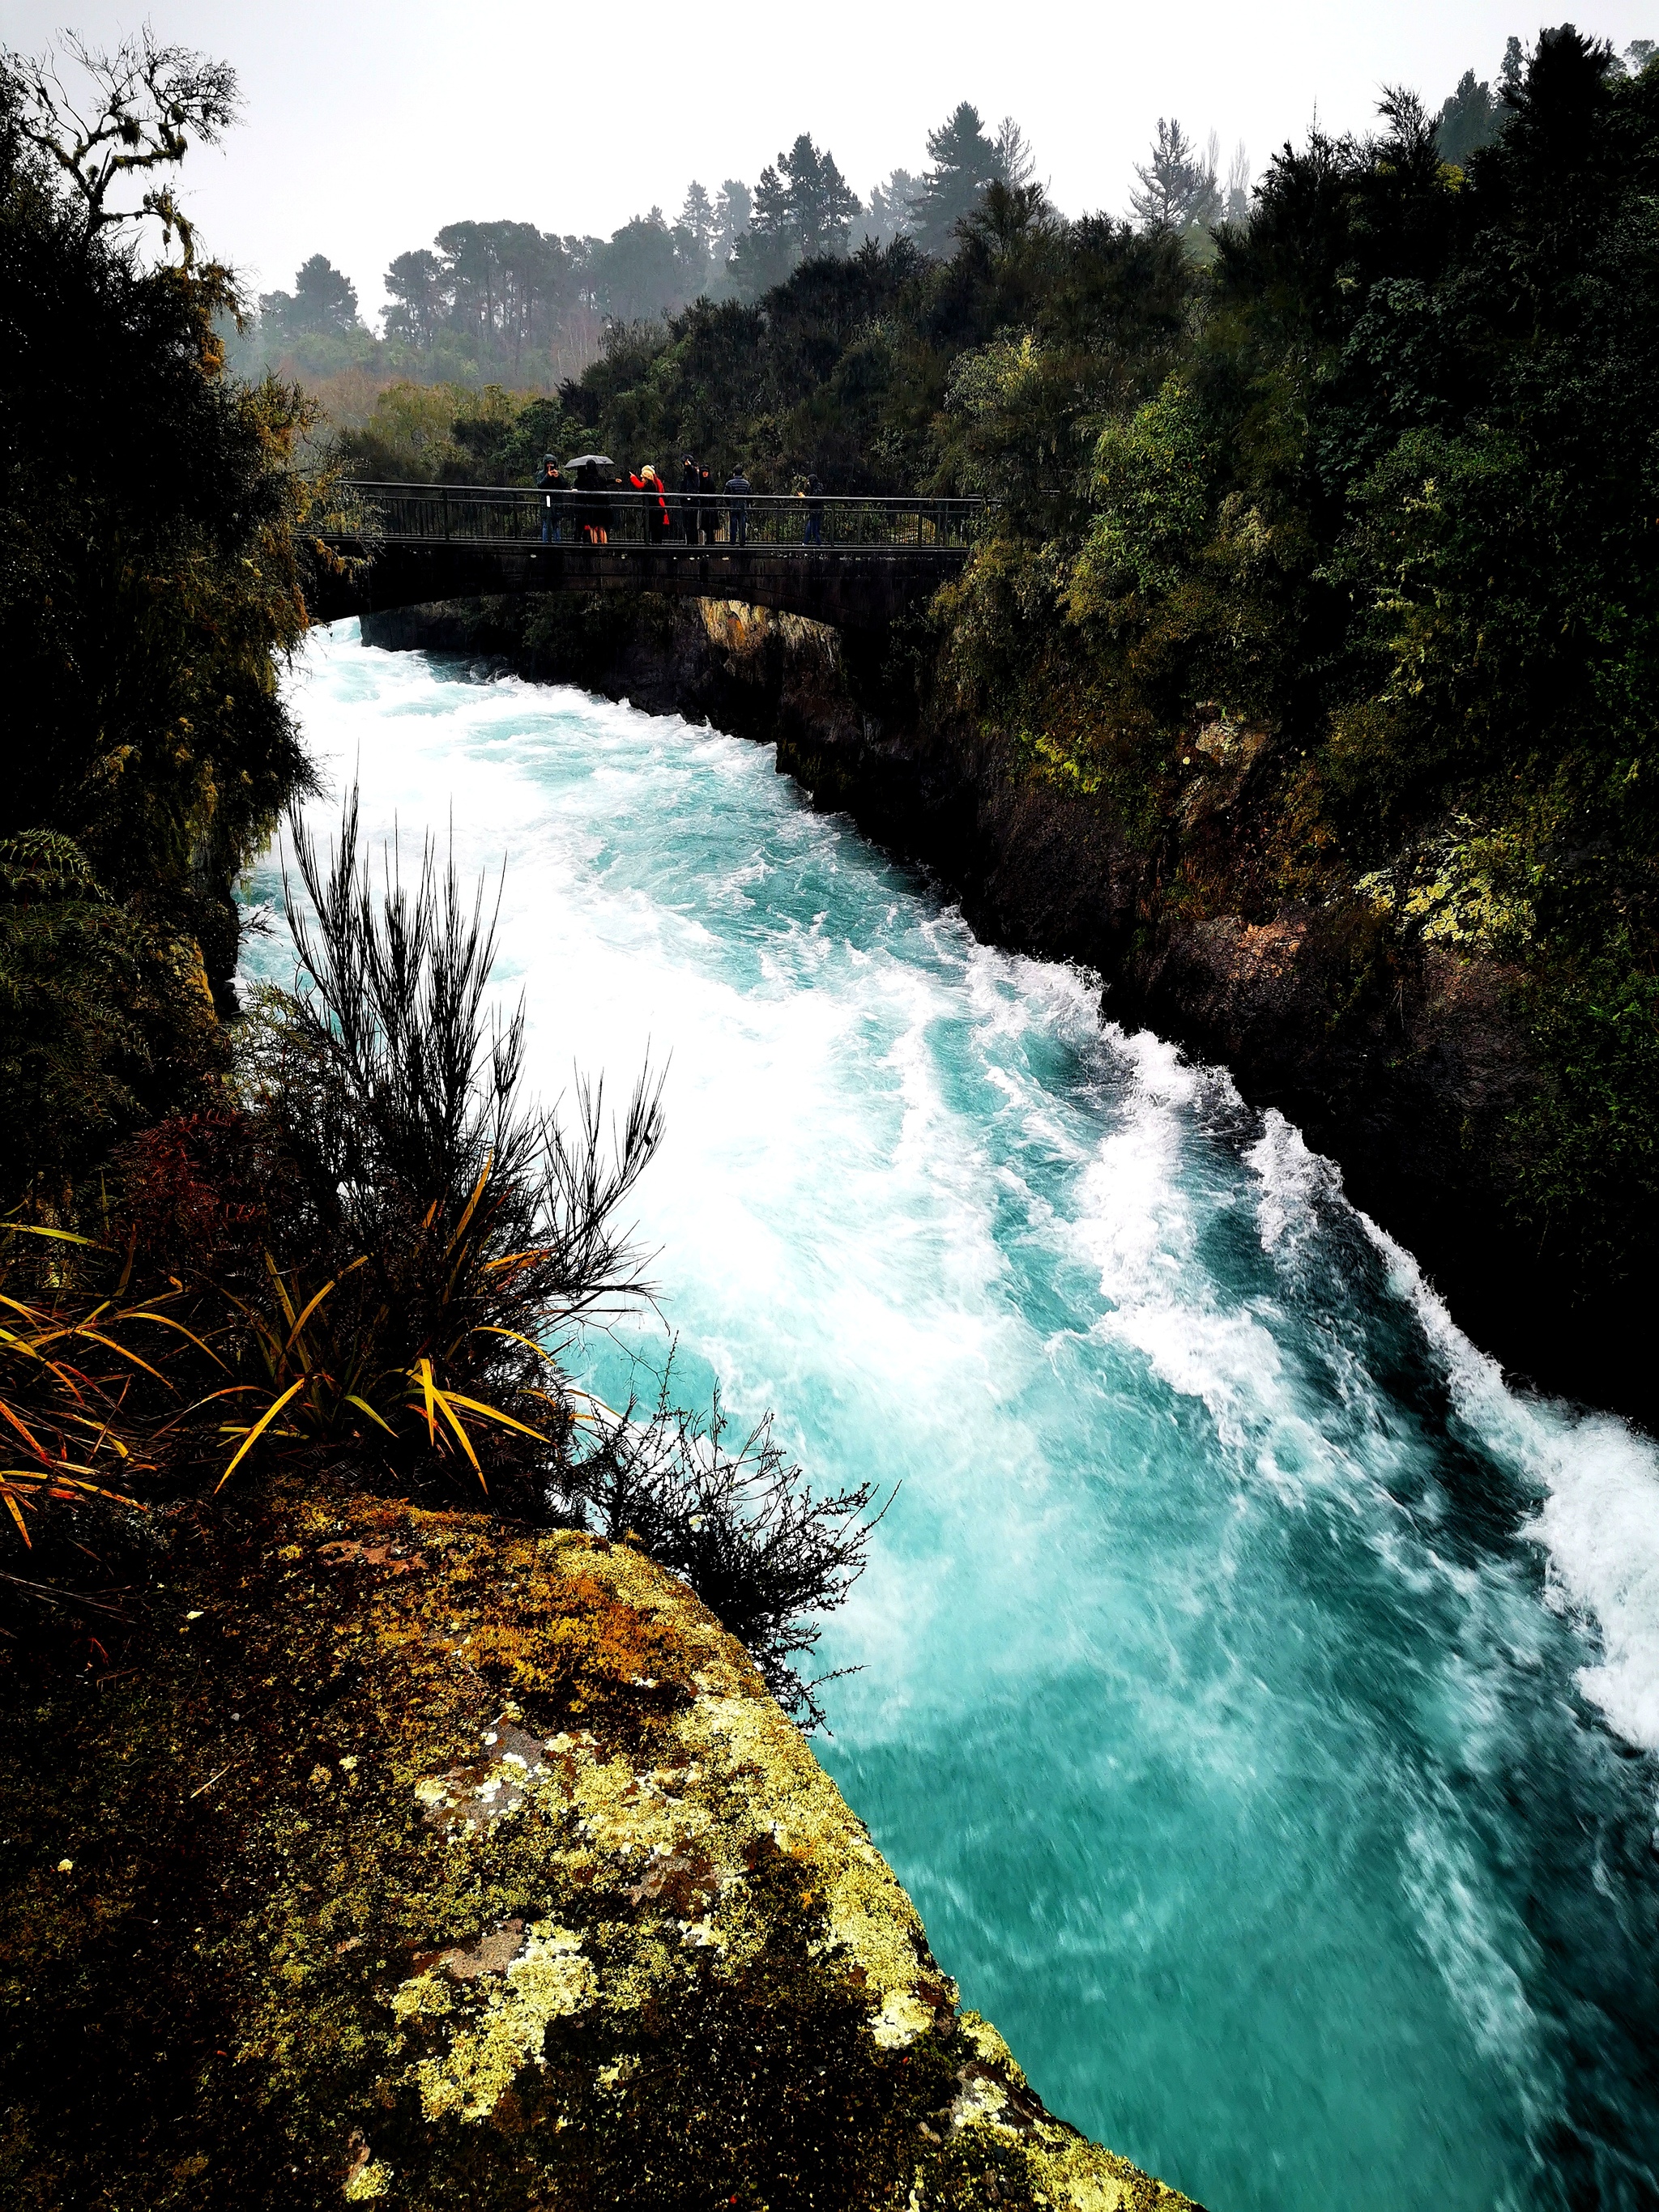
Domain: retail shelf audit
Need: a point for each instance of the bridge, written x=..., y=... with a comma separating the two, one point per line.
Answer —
x=853, y=563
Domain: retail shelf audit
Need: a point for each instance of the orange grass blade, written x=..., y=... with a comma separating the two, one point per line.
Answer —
x=495, y=1329
x=492, y=1414
x=258, y=1429
x=288, y=1302
x=423, y=1376
x=22, y=1427
x=448, y=1413
x=362, y=1404
x=167, y=1321
x=360, y=1261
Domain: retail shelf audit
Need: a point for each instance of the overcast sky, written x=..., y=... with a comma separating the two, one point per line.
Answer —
x=368, y=124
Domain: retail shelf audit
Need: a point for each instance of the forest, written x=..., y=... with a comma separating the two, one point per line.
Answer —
x=506, y=301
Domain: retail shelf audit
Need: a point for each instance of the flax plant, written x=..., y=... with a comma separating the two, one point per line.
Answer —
x=65, y=1373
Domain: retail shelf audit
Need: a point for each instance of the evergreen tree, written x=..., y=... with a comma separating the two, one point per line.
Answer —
x=803, y=208
x=1471, y=118
x=414, y=281
x=699, y=224
x=1238, y=209
x=964, y=162
x=821, y=202
x=890, y=213
x=731, y=212
x=1179, y=189
x=639, y=273
x=764, y=254
x=323, y=298
x=1016, y=163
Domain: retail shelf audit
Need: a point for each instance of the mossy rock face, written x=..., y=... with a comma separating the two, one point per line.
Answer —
x=422, y=1860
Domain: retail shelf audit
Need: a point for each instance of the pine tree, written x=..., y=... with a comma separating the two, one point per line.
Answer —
x=1016, y=164
x=323, y=298
x=1179, y=189
x=698, y=220
x=891, y=211
x=1470, y=118
x=821, y=202
x=1238, y=185
x=964, y=161
x=731, y=212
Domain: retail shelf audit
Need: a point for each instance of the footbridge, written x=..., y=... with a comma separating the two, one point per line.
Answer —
x=856, y=563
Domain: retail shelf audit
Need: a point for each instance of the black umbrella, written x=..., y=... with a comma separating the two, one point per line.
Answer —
x=599, y=461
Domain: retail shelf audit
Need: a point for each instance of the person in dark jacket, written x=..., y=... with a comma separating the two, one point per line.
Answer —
x=737, y=492
x=552, y=486
x=814, y=533
x=708, y=506
x=689, y=480
x=591, y=507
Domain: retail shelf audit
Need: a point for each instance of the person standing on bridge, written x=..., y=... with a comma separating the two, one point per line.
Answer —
x=656, y=506
x=708, y=506
x=591, y=506
x=689, y=482
x=737, y=491
x=550, y=484
x=814, y=535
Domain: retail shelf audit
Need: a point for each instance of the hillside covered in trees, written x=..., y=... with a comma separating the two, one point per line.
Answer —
x=505, y=301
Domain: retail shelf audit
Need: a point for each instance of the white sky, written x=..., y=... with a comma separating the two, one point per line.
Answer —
x=369, y=124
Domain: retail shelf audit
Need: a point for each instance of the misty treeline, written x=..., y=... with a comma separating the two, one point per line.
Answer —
x=506, y=301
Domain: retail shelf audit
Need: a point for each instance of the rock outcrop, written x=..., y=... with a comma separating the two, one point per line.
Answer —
x=417, y=1860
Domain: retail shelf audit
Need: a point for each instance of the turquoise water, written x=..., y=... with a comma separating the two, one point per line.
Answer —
x=1258, y=1699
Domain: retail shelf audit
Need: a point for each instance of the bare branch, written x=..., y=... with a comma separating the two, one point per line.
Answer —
x=142, y=107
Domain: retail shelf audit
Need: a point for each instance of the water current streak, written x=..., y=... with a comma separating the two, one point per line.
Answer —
x=1258, y=1699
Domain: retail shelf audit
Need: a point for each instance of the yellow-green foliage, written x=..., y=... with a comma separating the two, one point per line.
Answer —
x=491, y=1877
x=1471, y=888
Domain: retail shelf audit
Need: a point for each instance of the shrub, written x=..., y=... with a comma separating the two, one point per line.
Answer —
x=742, y=1527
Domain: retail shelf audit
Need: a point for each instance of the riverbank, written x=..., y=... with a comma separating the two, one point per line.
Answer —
x=1403, y=1062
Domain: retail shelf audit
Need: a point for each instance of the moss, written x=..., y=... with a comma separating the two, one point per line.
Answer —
x=430, y=1863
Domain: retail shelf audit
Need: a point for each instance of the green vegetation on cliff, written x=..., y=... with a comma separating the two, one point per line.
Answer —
x=150, y=592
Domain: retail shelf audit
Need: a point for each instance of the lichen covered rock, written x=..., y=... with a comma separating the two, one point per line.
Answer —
x=423, y=1862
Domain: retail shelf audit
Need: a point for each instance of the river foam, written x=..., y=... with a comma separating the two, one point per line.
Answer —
x=1253, y=1685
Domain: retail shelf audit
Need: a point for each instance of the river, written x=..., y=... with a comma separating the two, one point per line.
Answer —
x=1259, y=1699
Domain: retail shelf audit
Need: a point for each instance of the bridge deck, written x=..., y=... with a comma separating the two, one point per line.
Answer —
x=856, y=563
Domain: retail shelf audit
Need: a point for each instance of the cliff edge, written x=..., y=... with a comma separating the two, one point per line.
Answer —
x=419, y=1861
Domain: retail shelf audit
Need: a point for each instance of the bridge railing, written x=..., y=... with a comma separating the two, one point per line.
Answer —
x=428, y=513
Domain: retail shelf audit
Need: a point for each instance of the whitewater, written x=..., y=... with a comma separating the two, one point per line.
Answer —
x=1259, y=1698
